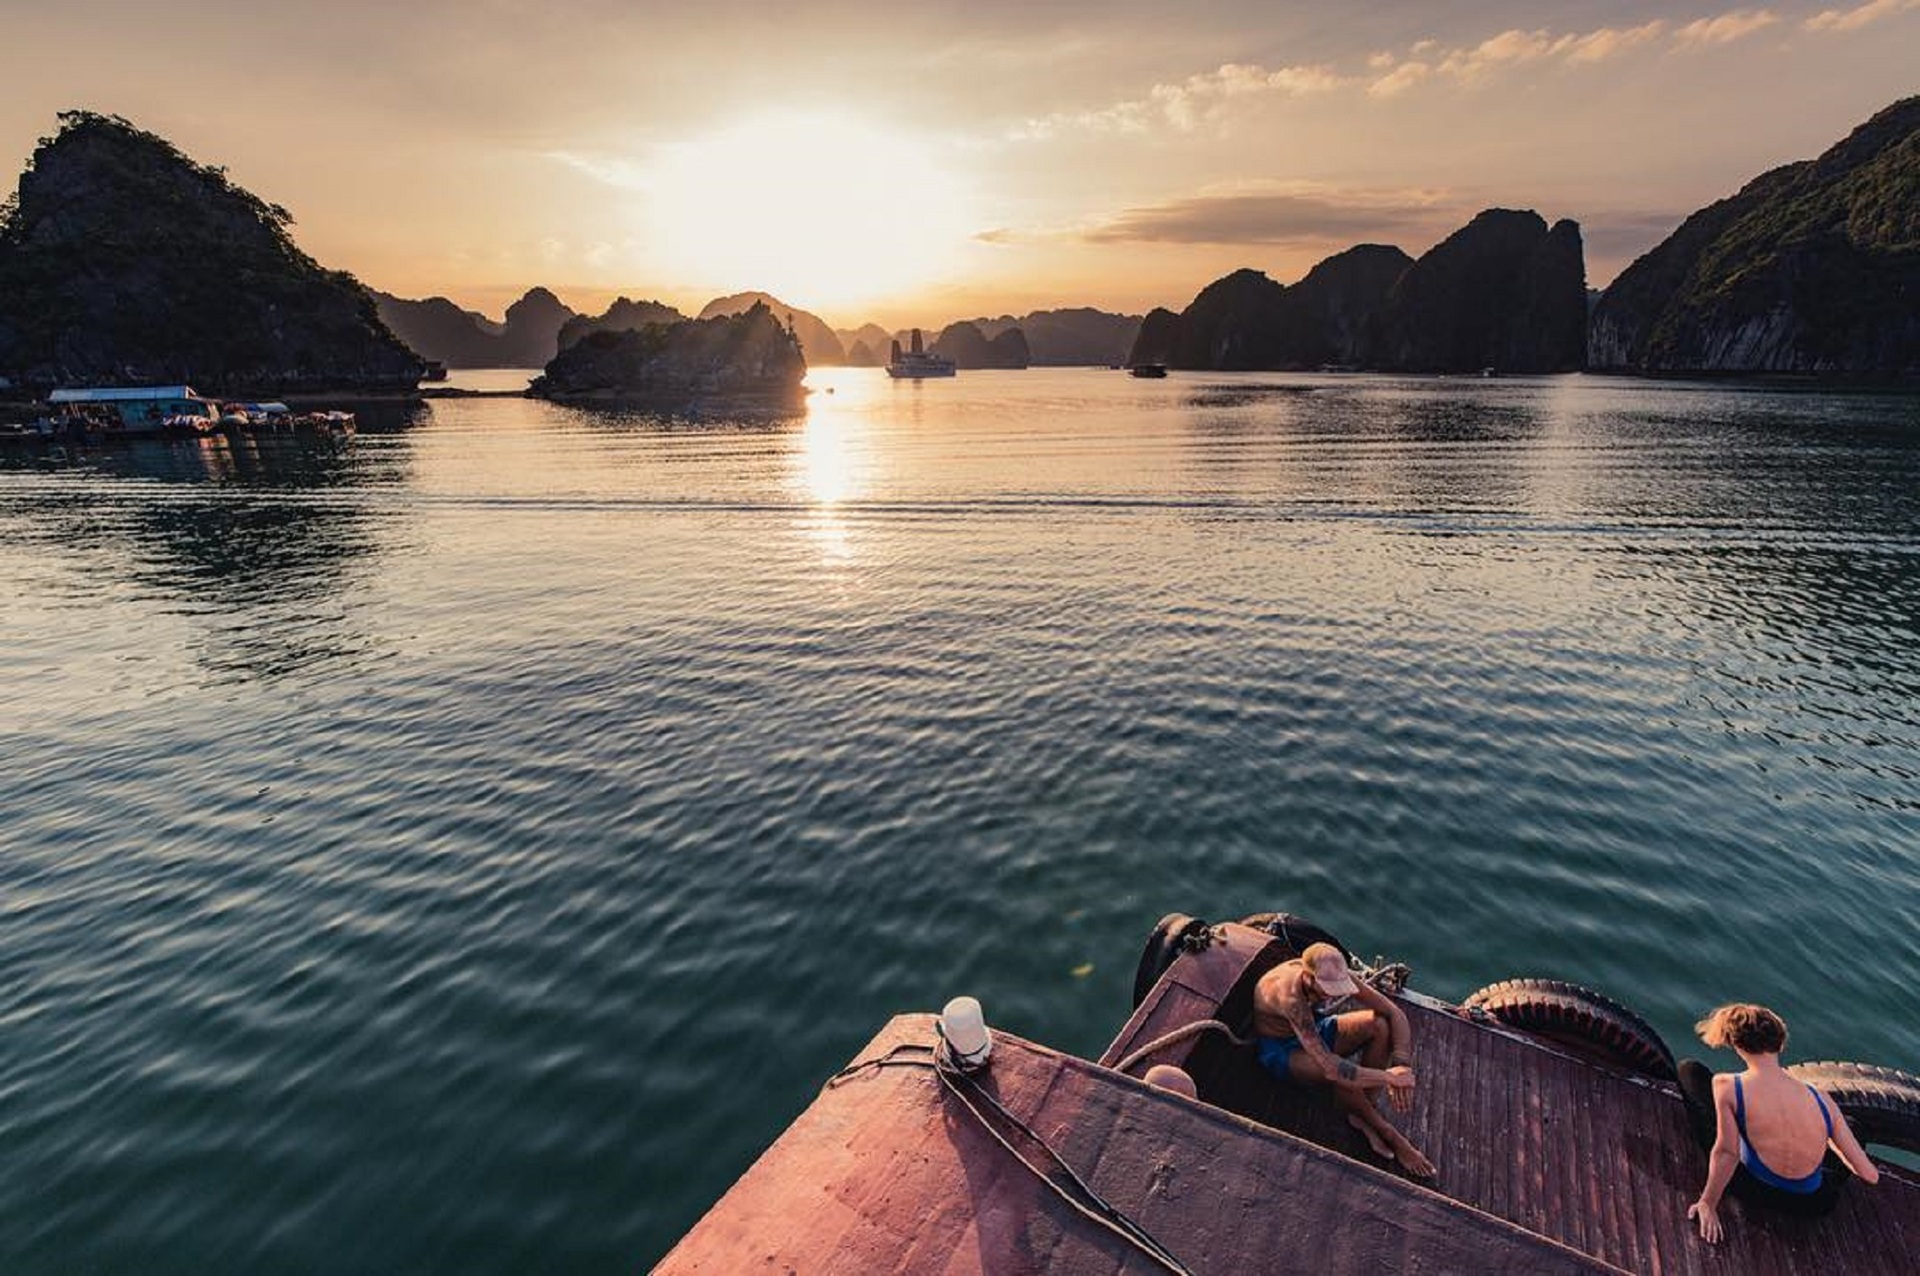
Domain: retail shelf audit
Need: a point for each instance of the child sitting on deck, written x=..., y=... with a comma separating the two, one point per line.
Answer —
x=1769, y=1131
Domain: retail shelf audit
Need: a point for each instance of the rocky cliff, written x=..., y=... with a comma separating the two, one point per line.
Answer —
x=624, y=313
x=1247, y=321
x=1237, y=322
x=531, y=334
x=818, y=340
x=1810, y=268
x=1505, y=291
x=122, y=260
x=745, y=357
x=1159, y=334
x=1334, y=306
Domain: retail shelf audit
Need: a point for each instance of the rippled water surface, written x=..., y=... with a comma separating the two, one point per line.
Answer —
x=466, y=847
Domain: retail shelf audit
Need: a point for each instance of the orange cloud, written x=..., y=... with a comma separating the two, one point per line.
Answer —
x=1854, y=19
x=1725, y=29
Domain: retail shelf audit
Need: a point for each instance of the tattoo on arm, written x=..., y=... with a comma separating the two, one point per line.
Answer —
x=1348, y=1070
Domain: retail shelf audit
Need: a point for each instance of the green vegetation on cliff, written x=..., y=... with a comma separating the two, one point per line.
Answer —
x=1813, y=267
x=121, y=259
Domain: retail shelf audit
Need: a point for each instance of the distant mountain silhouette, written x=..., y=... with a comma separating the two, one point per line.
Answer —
x=123, y=260
x=443, y=332
x=623, y=314
x=1077, y=337
x=968, y=347
x=816, y=338
x=1813, y=267
x=1505, y=291
x=866, y=346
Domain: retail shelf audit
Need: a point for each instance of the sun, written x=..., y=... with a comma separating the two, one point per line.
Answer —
x=822, y=209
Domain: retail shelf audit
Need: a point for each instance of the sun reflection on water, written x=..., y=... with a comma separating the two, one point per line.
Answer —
x=832, y=461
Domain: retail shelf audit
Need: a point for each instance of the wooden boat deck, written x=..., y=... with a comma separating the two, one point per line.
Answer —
x=1547, y=1164
x=886, y=1172
x=1586, y=1155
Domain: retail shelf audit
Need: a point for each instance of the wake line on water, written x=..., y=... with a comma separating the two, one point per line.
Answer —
x=1464, y=522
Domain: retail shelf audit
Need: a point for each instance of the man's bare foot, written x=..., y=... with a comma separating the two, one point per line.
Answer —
x=1381, y=1148
x=1412, y=1159
x=1391, y=1145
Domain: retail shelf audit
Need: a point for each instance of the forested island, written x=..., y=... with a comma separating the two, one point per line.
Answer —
x=122, y=260
x=748, y=356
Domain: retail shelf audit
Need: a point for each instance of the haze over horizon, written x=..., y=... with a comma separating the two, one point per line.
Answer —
x=998, y=160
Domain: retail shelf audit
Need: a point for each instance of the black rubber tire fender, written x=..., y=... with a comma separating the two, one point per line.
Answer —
x=1590, y=1024
x=1295, y=933
x=1164, y=946
x=1882, y=1104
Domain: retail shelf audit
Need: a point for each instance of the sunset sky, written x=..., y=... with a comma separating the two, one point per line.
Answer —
x=916, y=164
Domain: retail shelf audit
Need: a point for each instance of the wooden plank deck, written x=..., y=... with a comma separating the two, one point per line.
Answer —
x=886, y=1172
x=1599, y=1161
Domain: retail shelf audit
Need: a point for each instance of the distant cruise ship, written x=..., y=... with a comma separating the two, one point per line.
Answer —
x=916, y=362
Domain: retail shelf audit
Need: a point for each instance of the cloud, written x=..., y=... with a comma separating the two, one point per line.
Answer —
x=1597, y=46
x=1854, y=19
x=610, y=169
x=1400, y=79
x=1196, y=100
x=1471, y=64
x=1734, y=25
x=1276, y=213
x=1203, y=99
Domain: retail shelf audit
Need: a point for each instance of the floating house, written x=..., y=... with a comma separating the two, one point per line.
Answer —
x=149, y=409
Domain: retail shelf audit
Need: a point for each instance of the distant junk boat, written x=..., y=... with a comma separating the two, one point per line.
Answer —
x=916, y=363
x=1151, y=370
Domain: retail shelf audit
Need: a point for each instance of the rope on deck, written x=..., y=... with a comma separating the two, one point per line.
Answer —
x=1096, y=1208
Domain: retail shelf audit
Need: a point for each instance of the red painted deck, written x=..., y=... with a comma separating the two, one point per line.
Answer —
x=886, y=1172
x=1580, y=1153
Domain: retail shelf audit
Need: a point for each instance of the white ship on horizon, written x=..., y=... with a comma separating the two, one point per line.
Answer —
x=916, y=361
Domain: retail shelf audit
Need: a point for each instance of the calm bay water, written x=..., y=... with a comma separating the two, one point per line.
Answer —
x=468, y=847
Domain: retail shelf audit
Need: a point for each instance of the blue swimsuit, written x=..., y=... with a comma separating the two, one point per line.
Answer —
x=1751, y=1159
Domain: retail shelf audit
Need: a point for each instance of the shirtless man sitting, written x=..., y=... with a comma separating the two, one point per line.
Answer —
x=1299, y=1044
